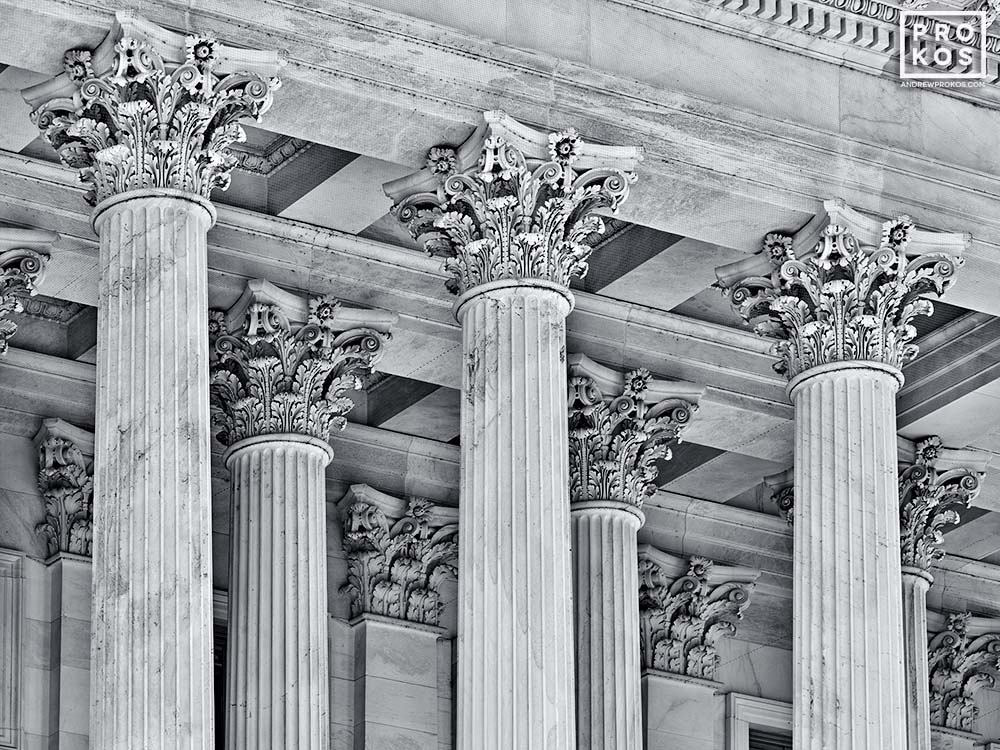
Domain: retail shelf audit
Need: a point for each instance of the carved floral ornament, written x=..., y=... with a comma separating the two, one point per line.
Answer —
x=270, y=375
x=513, y=203
x=685, y=607
x=21, y=270
x=615, y=441
x=66, y=482
x=962, y=659
x=152, y=115
x=398, y=555
x=930, y=498
x=846, y=300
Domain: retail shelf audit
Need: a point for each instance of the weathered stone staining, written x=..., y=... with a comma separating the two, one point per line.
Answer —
x=935, y=485
x=620, y=426
x=511, y=211
x=399, y=553
x=281, y=370
x=839, y=298
x=147, y=119
x=685, y=607
x=963, y=654
x=23, y=255
x=66, y=481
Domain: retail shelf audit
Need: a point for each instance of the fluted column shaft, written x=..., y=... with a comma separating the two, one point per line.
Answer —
x=277, y=670
x=515, y=672
x=605, y=596
x=847, y=641
x=151, y=678
x=918, y=710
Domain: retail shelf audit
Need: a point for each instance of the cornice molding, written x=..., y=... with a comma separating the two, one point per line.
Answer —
x=276, y=156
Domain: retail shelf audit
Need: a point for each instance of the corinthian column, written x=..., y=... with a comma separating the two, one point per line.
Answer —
x=933, y=488
x=511, y=211
x=619, y=428
x=841, y=310
x=278, y=390
x=147, y=118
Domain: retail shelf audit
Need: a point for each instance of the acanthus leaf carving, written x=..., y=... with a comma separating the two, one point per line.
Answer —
x=148, y=121
x=21, y=269
x=960, y=664
x=513, y=203
x=929, y=500
x=273, y=376
x=615, y=441
x=846, y=301
x=66, y=482
x=685, y=607
x=398, y=555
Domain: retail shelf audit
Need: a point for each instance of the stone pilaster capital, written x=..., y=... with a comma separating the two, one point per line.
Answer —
x=282, y=364
x=782, y=489
x=23, y=255
x=66, y=481
x=149, y=108
x=685, y=606
x=399, y=553
x=935, y=484
x=963, y=656
x=513, y=202
x=844, y=288
x=620, y=425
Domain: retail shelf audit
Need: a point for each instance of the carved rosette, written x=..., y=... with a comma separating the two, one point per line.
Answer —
x=20, y=271
x=524, y=209
x=845, y=302
x=147, y=122
x=682, y=616
x=272, y=376
x=398, y=561
x=66, y=481
x=615, y=441
x=929, y=500
x=960, y=665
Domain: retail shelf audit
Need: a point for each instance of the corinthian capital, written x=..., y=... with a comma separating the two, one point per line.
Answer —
x=513, y=202
x=685, y=607
x=843, y=288
x=23, y=255
x=66, y=481
x=619, y=427
x=963, y=657
x=933, y=489
x=152, y=109
x=398, y=554
x=782, y=489
x=282, y=364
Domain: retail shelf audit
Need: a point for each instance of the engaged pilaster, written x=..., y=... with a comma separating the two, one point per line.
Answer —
x=402, y=558
x=282, y=369
x=619, y=428
x=934, y=486
x=66, y=481
x=840, y=297
x=511, y=211
x=23, y=255
x=147, y=118
x=963, y=654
